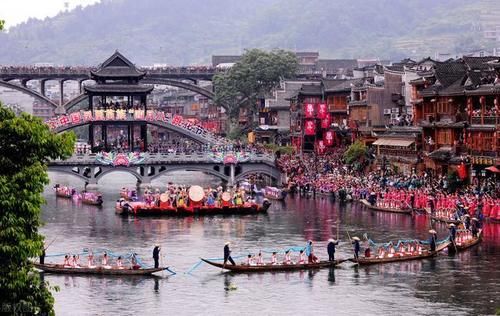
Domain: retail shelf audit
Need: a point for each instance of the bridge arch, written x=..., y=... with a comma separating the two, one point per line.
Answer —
x=180, y=84
x=75, y=101
x=28, y=91
x=201, y=168
x=70, y=172
x=121, y=169
x=273, y=175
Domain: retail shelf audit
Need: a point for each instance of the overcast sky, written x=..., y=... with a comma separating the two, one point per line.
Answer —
x=17, y=11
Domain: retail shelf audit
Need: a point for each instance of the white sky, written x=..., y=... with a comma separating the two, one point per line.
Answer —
x=17, y=11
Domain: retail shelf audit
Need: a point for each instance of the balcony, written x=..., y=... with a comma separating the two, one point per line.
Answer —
x=485, y=120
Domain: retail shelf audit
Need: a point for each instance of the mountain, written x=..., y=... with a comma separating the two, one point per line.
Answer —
x=181, y=32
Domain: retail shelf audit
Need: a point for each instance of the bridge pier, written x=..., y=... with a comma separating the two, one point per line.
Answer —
x=61, y=93
x=42, y=87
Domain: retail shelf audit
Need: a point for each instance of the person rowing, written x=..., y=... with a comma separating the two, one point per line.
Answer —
x=119, y=263
x=302, y=257
x=433, y=240
x=90, y=259
x=227, y=254
x=156, y=255
x=357, y=247
x=274, y=258
x=260, y=259
x=288, y=258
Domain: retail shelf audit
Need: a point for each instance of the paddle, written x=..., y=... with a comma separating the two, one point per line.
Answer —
x=47, y=247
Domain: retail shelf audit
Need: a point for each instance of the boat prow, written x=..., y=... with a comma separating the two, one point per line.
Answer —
x=243, y=268
x=385, y=209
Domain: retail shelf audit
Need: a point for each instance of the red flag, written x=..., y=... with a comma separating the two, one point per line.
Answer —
x=310, y=127
x=322, y=110
x=309, y=110
x=462, y=171
x=326, y=121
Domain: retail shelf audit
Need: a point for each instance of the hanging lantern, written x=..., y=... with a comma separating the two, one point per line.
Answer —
x=462, y=171
x=309, y=110
x=322, y=110
x=326, y=121
x=310, y=127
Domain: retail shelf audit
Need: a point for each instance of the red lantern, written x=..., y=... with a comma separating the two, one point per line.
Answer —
x=326, y=121
x=328, y=138
x=309, y=110
x=310, y=127
x=322, y=111
x=462, y=171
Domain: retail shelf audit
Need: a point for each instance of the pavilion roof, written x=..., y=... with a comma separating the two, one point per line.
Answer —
x=117, y=66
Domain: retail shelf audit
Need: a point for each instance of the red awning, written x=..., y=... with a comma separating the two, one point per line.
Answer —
x=493, y=169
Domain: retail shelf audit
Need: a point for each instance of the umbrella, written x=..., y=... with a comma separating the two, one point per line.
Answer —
x=493, y=169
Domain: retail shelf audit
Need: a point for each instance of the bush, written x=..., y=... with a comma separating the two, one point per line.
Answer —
x=355, y=152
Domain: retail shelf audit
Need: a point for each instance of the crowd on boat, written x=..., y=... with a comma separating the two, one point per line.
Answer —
x=86, y=197
x=104, y=262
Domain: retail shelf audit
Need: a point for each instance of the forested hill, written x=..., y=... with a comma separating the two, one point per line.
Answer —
x=190, y=31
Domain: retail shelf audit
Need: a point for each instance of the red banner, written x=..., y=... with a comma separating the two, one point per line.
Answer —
x=320, y=147
x=322, y=110
x=462, y=171
x=326, y=121
x=328, y=138
x=310, y=127
x=309, y=110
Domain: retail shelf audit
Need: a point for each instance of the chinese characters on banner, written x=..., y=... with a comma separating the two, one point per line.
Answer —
x=77, y=118
x=320, y=147
x=310, y=127
x=322, y=111
x=328, y=138
x=326, y=121
x=309, y=110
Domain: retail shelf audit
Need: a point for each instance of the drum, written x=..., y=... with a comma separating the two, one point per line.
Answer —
x=164, y=197
x=196, y=193
x=226, y=196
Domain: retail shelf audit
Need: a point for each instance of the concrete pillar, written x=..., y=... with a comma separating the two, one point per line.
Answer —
x=61, y=93
x=232, y=179
x=42, y=87
x=80, y=86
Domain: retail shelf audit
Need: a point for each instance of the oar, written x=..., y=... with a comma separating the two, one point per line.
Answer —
x=47, y=247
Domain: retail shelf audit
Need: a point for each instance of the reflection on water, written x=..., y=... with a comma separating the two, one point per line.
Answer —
x=449, y=285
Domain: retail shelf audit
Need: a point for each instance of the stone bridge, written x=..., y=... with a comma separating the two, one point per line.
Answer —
x=90, y=169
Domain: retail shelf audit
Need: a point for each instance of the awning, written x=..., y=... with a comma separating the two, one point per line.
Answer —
x=393, y=142
x=443, y=153
x=493, y=169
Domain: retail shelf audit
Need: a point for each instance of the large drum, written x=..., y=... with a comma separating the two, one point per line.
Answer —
x=164, y=197
x=196, y=193
x=226, y=196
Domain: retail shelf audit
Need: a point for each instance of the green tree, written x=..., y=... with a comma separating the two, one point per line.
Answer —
x=26, y=144
x=254, y=76
x=355, y=152
x=2, y=23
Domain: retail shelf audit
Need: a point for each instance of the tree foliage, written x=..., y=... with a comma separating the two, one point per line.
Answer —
x=26, y=144
x=355, y=152
x=254, y=76
x=2, y=23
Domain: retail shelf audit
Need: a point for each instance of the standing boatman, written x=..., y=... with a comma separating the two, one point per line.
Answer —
x=453, y=233
x=227, y=254
x=433, y=239
x=331, y=249
x=156, y=255
x=357, y=247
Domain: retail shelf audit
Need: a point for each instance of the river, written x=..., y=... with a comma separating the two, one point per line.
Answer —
x=465, y=284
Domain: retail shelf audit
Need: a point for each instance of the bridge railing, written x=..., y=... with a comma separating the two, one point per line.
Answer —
x=155, y=158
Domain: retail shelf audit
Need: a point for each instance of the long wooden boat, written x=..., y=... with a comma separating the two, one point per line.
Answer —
x=61, y=269
x=446, y=220
x=243, y=268
x=385, y=209
x=274, y=193
x=424, y=255
x=139, y=209
x=465, y=245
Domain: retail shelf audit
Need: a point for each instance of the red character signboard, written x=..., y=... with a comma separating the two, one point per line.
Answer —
x=326, y=121
x=310, y=127
x=322, y=111
x=309, y=110
x=328, y=138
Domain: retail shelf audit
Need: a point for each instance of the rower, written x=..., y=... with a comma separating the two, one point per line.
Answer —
x=357, y=247
x=467, y=220
x=66, y=261
x=474, y=227
x=227, y=254
x=74, y=262
x=287, y=259
x=105, y=259
x=302, y=257
x=274, y=259
x=90, y=258
x=260, y=259
x=119, y=263
x=331, y=249
x=156, y=255
x=250, y=260
x=453, y=233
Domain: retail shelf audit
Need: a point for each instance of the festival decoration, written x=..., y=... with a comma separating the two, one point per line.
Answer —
x=120, y=159
x=309, y=110
x=322, y=110
x=462, y=171
x=328, y=137
x=320, y=147
x=326, y=121
x=229, y=158
x=310, y=127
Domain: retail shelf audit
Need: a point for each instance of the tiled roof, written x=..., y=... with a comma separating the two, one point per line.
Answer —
x=117, y=66
x=337, y=85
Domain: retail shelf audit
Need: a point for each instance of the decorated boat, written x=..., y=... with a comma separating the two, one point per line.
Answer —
x=274, y=193
x=464, y=243
x=446, y=220
x=64, y=191
x=91, y=198
x=244, y=268
x=385, y=209
x=397, y=257
x=143, y=209
x=99, y=270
